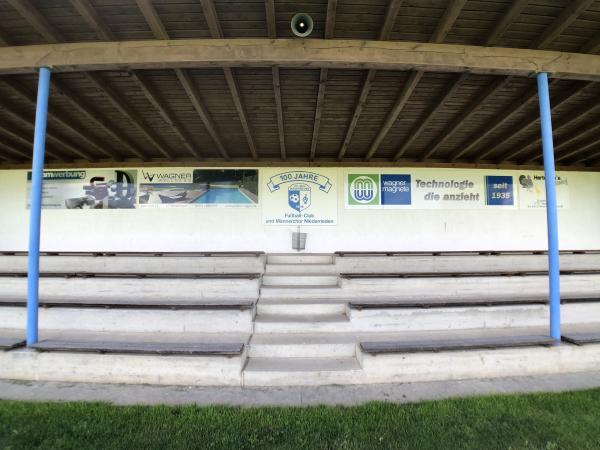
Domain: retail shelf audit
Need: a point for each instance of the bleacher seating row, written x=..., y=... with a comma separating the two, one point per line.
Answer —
x=377, y=299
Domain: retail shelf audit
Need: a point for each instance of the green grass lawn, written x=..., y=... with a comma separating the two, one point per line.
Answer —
x=546, y=421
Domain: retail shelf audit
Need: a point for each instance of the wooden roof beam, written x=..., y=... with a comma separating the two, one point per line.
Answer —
x=440, y=33
x=30, y=13
x=42, y=26
x=279, y=111
x=270, y=17
x=567, y=139
x=168, y=116
x=508, y=18
x=390, y=18
x=91, y=17
x=582, y=147
x=447, y=20
x=60, y=141
x=384, y=34
x=149, y=13
x=216, y=32
x=192, y=92
x=160, y=32
x=239, y=106
x=515, y=10
x=20, y=138
x=310, y=53
x=152, y=19
x=592, y=46
x=272, y=34
x=429, y=115
x=533, y=119
x=568, y=15
x=95, y=116
x=59, y=117
x=452, y=12
x=516, y=106
x=467, y=112
x=591, y=156
x=6, y=147
x=362, y=99
x=4, y=38
x=571, y=117
x=329, y=27
x=102, y=86
x=318, y=113
x=405, y=93
x=442, y=30
x=26, y=140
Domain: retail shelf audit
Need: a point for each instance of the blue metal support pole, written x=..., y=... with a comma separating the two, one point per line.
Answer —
x=35, y=212
x=551, y=212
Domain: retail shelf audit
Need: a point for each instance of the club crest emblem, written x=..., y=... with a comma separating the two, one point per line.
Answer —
x=299, y=196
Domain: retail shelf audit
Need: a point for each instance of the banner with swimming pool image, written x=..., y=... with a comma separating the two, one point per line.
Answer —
x=190, y=187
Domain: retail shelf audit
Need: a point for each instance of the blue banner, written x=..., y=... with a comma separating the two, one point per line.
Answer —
x=499, y=190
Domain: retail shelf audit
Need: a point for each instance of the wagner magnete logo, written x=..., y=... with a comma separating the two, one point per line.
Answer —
x=363, y=189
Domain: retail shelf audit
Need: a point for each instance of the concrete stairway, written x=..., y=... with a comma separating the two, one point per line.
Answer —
x=302, y=320
x=300, y=337
x=307, y=332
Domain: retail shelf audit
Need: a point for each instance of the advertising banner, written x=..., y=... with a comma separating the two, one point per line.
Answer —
x=87, y=189
x=451, y=189
x=532, y=190
x=189, y=187
x=299, y=196
x=429, y=189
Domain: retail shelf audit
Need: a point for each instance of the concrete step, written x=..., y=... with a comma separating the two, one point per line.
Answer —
x=302, y=345
x=471, y=263
x=124, y=264
x=26, y=364
x=300, y=280
x=280, y=323
x=466, y=288
x=134, y=320
x=477, y=364
x=303, y=292
x=301, y=371
x=300, y=308
x=75, y=367
x=301, y=269
x=133, y=289
x=300, y=258
x=464, y=318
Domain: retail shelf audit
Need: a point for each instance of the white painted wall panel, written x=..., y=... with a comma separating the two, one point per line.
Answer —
x=222, y=229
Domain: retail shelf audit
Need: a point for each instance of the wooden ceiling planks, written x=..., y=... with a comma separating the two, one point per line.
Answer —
x=291, y=113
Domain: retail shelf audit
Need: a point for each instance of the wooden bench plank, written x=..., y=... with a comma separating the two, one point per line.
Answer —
x=390, y=304
x=442, y=345
x=128, y=304
x=581, y=338
x=153, y=348
x=245, y=276
x=350, y=276
x=10, y=343
x=458, y=252
x=75, y=253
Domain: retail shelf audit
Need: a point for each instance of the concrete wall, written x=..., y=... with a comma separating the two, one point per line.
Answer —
x=221, y=229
